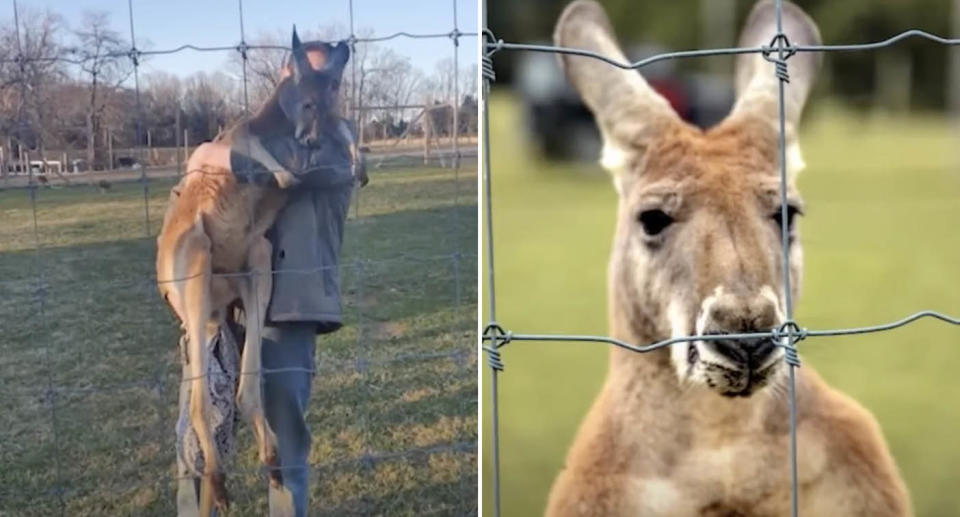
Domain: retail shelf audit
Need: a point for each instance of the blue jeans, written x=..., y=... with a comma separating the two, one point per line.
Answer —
x=286, y=394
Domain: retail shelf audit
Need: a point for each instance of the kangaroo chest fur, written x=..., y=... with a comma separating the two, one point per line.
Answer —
x=728, y=478
x=693, y=467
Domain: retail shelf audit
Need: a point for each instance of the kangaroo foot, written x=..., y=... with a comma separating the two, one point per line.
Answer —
x=272, y=461
x=220, y=499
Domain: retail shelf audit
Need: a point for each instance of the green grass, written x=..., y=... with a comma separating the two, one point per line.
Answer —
x=89, y=370
x=880, y=240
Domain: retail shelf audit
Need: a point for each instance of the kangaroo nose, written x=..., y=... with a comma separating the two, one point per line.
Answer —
x=738, y=315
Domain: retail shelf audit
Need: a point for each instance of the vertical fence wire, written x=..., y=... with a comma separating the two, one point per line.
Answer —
x=357, y=113
x=41, y=288
x=361, y=265
x=140, y=162
x=361, y=352
x=455, y=132
x=463, y=361
x=490, y=333
x=242, y=49
x=785, y=249
x=786, y=336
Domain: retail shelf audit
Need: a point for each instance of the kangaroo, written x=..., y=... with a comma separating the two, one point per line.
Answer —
x=212, y=249
x=701, y=428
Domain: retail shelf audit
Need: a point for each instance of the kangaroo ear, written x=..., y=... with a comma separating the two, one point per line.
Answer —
x=337, y=57
x=756, y=84
x=627, y=110
x=300, y=63
x=295, y=44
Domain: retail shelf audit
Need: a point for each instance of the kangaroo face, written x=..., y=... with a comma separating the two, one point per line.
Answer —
x=698, y=245
x=309, y=95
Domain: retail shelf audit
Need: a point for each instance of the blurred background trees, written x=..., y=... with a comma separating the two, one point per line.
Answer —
x=912, y=74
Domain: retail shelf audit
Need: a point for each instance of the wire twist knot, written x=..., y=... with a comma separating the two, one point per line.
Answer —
x=791, y=331
x=242, y=48
x=455, y=36
x=791, y=357
x=135, y=56
x=491, y=46
x=784, y=51
x=781, y=44
x=787, y=336
x=493, y=358
x=780, y=70
x=487, y=68
x=497, y=337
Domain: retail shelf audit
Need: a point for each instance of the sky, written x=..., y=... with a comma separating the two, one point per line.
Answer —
x=168, y=24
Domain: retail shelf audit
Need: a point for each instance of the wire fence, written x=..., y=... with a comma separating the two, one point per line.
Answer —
x=90, y=426
x=778, y=52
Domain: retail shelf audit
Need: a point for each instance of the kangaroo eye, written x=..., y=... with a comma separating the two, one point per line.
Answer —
x=792, y=212
x=308, y=105
x=654, y=221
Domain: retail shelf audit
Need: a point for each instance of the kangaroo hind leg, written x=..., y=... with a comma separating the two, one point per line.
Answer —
x=256, y=297
x=194, y=274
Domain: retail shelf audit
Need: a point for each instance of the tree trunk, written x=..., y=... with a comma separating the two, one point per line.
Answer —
x=90, y=141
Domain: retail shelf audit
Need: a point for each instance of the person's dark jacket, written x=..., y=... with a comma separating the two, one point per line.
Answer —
x=308, y=232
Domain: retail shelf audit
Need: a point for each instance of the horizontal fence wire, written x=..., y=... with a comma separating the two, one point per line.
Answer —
x=135, y=53
x=494, y=336
x=494, y=45
x=456, y=355
x=44, y=285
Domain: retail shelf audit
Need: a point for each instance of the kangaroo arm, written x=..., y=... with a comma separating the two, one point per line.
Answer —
x=244, y=144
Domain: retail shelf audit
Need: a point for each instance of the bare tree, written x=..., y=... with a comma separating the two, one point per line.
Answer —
x=104, y=62
x=162, y=95
x=210, y=103
x=445, y=91
x=25, y=109
x=445, y=77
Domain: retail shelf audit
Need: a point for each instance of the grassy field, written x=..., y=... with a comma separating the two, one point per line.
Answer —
x=89, y=369
x=880, y=238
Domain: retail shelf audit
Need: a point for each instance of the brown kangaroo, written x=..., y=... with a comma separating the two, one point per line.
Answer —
x=212, y=249
x=701, y=428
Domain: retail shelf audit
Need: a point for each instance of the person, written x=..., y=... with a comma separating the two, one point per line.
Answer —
x=305, y=302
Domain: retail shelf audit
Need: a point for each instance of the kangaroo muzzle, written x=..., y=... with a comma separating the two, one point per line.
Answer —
x=737, y=366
